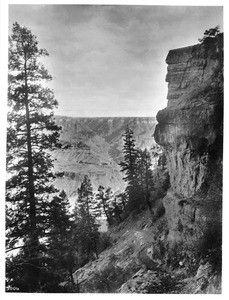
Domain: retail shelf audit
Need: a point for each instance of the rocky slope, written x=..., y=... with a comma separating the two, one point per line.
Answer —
x=178, y=251
x=96, y=149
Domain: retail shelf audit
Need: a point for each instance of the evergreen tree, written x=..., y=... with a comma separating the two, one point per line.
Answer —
x=210, y=34
x=86, y=199
x=31, y=135
x=116, y=208
x=128, y=167
x=144, y=173
x=111, y=206
x=104, y=198
x=122, y=200
x=61, y=244
x=59, y=257
x=86, y=212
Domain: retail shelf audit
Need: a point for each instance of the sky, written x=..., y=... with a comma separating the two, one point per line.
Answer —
x=109, y=60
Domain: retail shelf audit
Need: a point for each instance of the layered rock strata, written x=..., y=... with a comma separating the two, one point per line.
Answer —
x=190, y=131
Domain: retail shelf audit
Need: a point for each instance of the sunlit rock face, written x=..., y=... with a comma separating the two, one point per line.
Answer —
x=190, y=131
x=96, y=149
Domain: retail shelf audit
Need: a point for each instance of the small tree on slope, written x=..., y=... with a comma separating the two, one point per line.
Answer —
x=61, y=245
x=86, y=212
x=105, y=199
x=144, y=175
x=129, y=168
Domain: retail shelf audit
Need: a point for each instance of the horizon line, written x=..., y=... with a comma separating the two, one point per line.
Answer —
x=58, y=115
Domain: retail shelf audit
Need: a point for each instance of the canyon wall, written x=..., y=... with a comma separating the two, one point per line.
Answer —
x=96, y=149
x=190, y=129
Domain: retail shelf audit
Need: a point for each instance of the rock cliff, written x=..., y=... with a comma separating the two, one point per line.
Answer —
x=190, y=129
x=185, y=238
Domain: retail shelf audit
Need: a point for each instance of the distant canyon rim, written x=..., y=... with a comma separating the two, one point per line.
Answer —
x=96, y=150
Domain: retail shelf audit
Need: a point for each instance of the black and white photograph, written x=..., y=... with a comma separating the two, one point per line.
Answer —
x=114, y=137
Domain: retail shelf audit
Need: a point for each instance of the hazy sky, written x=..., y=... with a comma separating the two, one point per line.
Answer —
x=110, y=60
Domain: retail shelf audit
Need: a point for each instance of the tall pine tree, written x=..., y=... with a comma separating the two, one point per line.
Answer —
x=129, y=168
x=31, y=135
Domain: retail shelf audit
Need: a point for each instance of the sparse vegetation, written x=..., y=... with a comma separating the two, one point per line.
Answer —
x=209, y=35
x=56, y=250
x=144, y=185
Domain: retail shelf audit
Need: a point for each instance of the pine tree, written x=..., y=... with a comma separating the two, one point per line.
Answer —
x=86, y=198
x=59, y=254
x=31, y=135
x=122, y=200
x=128, y=167
x=116, y=209
x=86, y=212
x=109, y=200
x=61, y=245
x=144, y=173
x=104, y=198
x=210, y=34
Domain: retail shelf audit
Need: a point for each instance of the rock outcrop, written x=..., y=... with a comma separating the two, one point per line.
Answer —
x=181, y=245
x=190, y=129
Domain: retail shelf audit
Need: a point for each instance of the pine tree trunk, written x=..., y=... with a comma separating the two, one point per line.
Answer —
x=30, y=161
x=107, y=216
x=33, y=237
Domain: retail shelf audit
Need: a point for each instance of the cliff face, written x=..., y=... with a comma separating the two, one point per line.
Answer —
x=185, y=241
x=190, y=131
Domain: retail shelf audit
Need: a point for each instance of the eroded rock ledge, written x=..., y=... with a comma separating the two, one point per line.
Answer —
x=190, y=131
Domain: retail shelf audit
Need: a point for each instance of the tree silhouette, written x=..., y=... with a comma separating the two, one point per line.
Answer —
x=86, y=212
x=129, y=168
x=209, y=34
x=61, y=245
x=31, y=136
x=104, y=198
x=144, y=174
